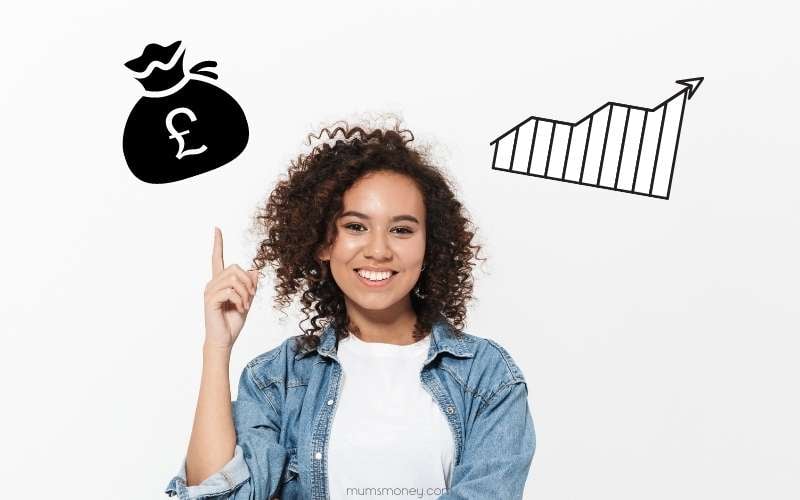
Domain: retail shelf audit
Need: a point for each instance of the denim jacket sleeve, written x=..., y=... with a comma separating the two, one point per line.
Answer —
x=257, y=466
x=499, y=449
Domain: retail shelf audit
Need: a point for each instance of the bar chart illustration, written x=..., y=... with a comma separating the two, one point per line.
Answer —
x=617, y=146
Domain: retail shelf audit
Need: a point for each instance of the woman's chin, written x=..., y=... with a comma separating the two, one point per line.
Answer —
x=373, y=302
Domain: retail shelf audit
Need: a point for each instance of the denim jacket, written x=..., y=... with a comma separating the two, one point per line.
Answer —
x=287, y=400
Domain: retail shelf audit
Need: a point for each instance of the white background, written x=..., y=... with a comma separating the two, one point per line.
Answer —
x=659, y=339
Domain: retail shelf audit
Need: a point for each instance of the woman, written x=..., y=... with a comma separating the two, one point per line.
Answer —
x=390, y=399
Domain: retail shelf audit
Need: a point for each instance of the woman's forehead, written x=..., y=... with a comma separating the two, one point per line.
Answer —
x=384, y=196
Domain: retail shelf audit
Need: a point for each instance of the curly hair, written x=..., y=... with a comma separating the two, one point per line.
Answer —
x=299, y=220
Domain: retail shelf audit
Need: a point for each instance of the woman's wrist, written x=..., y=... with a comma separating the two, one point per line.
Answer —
x=216, y=351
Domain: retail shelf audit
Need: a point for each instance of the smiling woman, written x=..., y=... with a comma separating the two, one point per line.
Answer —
x=376, y=262
x=391, y=397
x=368, y=201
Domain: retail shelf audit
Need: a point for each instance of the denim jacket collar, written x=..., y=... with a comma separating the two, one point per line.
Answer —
x=443, y=339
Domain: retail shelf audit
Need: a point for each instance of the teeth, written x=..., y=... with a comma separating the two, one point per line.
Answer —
x=372, y=276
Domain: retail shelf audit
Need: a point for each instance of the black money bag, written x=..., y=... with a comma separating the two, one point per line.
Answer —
x=184, y=125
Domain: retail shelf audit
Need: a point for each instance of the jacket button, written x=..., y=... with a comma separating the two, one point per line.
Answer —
x=449, y=409
x=318, y=455
x=330, y=402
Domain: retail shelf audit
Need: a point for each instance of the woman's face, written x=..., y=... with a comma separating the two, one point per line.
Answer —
x=382, y=226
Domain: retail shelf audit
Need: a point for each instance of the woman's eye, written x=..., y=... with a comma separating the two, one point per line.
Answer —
x=357, y=225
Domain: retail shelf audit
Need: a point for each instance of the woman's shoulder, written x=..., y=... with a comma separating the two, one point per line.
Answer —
x=266, y=357
x=493, y=359
x=279, y=361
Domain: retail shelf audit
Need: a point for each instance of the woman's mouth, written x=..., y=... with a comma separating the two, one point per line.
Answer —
x=374, y=283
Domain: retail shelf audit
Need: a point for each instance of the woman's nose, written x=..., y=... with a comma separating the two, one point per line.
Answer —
x=378, y=246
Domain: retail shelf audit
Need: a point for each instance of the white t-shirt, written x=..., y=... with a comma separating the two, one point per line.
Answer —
x=387, y=430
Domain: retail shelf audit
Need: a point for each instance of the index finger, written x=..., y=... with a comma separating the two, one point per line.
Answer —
x=217, y=263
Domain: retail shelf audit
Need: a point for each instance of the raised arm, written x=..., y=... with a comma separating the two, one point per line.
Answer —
x=233, y=450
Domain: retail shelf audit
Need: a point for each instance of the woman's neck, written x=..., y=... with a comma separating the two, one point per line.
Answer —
x=398, y=329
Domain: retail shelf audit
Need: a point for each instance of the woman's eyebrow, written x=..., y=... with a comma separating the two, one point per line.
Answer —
x=407, y=217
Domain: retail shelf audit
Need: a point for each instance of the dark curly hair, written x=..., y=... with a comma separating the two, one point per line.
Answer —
x=299, y=220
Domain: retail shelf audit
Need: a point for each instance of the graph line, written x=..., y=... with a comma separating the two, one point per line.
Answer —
x=602, y=149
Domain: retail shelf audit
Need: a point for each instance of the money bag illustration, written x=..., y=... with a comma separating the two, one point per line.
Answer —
x=184, y=125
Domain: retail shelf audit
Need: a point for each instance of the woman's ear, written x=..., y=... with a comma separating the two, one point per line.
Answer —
x=324, y=254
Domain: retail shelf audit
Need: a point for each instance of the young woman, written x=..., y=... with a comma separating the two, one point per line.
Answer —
x=384, y=395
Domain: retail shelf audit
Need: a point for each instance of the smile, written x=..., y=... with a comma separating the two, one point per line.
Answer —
x=374, y=284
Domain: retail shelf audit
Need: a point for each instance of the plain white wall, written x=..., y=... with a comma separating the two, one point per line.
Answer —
x=659, y=338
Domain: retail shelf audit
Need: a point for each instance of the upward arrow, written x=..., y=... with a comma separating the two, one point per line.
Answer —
x=692, y=83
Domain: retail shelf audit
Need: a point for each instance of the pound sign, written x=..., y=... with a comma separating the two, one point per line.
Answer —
x=178, y=136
